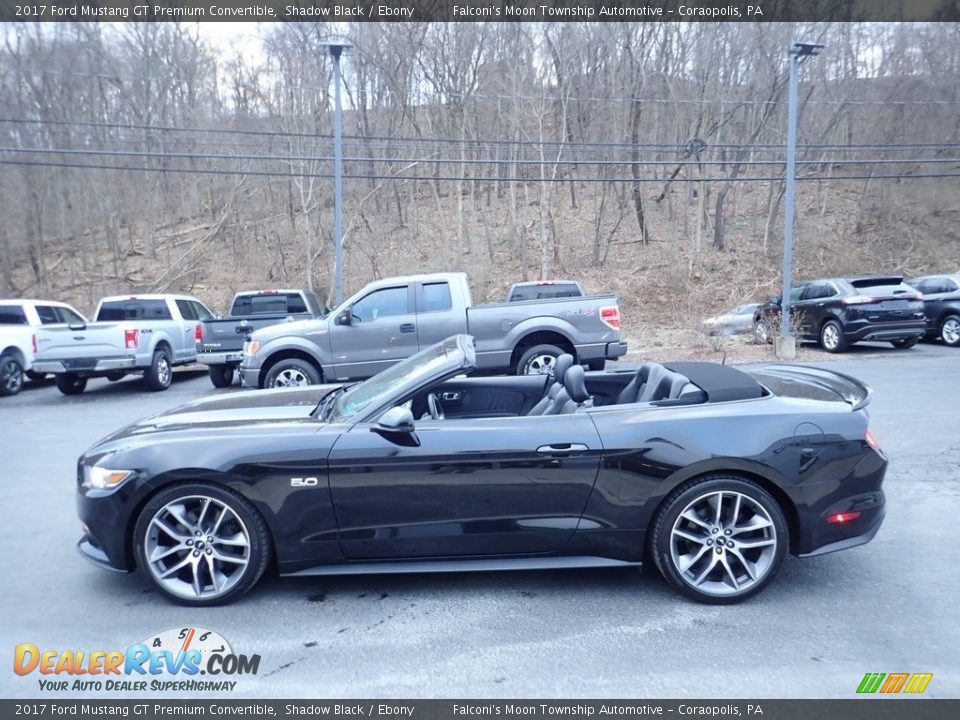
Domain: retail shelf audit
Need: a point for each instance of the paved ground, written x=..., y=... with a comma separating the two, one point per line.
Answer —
x=886, y=607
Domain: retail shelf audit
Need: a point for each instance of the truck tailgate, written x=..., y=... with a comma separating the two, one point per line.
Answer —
x=95, y=340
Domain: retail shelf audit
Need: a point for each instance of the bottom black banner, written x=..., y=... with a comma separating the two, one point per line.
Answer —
x=853, y=709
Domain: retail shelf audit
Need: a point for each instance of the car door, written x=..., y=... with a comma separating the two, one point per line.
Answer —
x=382, y=330
x=484, y=486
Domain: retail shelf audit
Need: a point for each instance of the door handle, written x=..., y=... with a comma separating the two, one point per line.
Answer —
x=562, y=449
x=408, y=328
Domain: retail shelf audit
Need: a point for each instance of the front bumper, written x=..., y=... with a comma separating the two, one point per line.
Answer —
x=233, y=357
x=85, y=365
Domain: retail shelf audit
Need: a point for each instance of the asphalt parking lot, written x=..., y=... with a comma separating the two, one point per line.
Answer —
x=889, y=606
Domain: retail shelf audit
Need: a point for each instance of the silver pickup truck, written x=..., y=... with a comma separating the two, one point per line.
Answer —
x=146, y=334
x=392, y=319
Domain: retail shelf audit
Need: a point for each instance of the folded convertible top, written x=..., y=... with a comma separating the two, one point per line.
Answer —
x=720, y=383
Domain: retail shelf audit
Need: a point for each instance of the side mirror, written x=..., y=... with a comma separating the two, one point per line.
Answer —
x=345, y=318
x=396, y=425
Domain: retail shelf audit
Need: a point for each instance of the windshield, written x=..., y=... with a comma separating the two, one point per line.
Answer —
x=378, y=389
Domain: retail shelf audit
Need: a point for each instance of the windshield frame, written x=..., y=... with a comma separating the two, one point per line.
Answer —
x=437, y=362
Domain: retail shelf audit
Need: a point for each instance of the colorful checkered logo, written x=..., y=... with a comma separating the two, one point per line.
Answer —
x=894, y=683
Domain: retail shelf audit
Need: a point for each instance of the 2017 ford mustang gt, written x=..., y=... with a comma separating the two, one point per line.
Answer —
x=711, y=472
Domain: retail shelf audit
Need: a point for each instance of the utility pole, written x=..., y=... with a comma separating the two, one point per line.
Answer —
x=786, y=343
x=336, y=49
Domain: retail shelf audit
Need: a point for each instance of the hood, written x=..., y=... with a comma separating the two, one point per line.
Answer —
x=297, y=327
x=254, y=407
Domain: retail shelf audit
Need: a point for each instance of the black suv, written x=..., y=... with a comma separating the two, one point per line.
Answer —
x=941, y=304
x=836, y=312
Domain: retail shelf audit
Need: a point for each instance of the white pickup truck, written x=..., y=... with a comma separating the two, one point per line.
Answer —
x=148, y=334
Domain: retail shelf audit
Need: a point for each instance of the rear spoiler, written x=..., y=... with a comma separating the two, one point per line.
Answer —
x=847, y=388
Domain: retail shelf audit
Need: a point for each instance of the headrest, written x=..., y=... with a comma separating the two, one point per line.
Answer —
x=574, y=382
x=560, y=367
x=643, y=372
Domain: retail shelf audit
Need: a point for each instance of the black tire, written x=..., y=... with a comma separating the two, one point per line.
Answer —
x=258, y=537
x=36, y=377
x=762, y=331
x=905, y=343
x=292, y=372
x=687, y=495
x=116, y=375
x=159, y=375
x=950, y=330
x=597, y=365
x=533, y=361
x=11, y=375
x=221, y=375
x=71, y=383
x=832, y=338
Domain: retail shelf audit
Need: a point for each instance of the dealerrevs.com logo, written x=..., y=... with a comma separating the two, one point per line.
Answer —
x=189, y=659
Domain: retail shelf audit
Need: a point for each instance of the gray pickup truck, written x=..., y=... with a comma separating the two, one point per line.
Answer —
x=392, y=319
x=220, y=345
x=146, y=334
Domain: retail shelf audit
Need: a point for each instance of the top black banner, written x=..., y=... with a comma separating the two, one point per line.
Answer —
x=483, y=10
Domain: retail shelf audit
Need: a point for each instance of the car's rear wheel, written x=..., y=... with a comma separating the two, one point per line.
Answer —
x=761, y=331
x=71, y=383
x=159, y=375
x=200, y=544
x=292, y=372
x=221, y=375
x=831, y=337
x=538, y=360
x=11, y=375
x=719, y=539
x=904, y=343
x=950, y=330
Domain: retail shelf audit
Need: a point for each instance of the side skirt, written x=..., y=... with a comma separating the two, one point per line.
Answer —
x=463, y=565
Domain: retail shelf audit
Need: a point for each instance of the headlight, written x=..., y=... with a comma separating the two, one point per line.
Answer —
x=102, y=478
x=251, y=348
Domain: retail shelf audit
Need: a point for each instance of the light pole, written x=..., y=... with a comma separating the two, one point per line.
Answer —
x=786, y=345
x=336, y=49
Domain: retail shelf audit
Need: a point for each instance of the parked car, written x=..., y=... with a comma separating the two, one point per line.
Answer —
x=713, y=472
x=394, y=318
x=37, y=314
x=736, y=321
x=543, y=289
x=146, y=334
x=941, y=305
x=220, y=346
x=18, y=343
x=837, y=312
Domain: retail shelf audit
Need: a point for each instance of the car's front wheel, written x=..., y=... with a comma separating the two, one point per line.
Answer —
x=200, y=544
x=950, y=330
x=719, y=539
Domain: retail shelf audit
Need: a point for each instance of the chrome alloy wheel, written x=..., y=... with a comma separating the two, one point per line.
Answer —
x=723, y=543
x=830, y=337
x=540, y=365
x=950, y=332
x=197, y=547
x=164, y=373
x=291, y=377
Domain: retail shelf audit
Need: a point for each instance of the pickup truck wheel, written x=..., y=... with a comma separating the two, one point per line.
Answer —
x=538, y=360
x=292, y=372
x=71, y=384
x=160, y=374
x=11, y=375
x=221, y=375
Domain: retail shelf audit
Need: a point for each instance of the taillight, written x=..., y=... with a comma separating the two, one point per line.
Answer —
x=610, y=317
x=198, y=333
x=872, y=440
x=858, y=300
x=131, y=339
x=34, y=344
x=839, y=518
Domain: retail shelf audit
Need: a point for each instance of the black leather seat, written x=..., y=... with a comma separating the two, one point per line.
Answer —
x=633, y=389
x=575, y=389
x=669, y=386
x=560, y=367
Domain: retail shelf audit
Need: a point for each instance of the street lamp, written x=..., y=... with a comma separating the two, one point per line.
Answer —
x=336, y=47
x=786, y=345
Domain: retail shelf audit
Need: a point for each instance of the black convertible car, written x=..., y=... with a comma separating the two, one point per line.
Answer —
x=712, y=473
